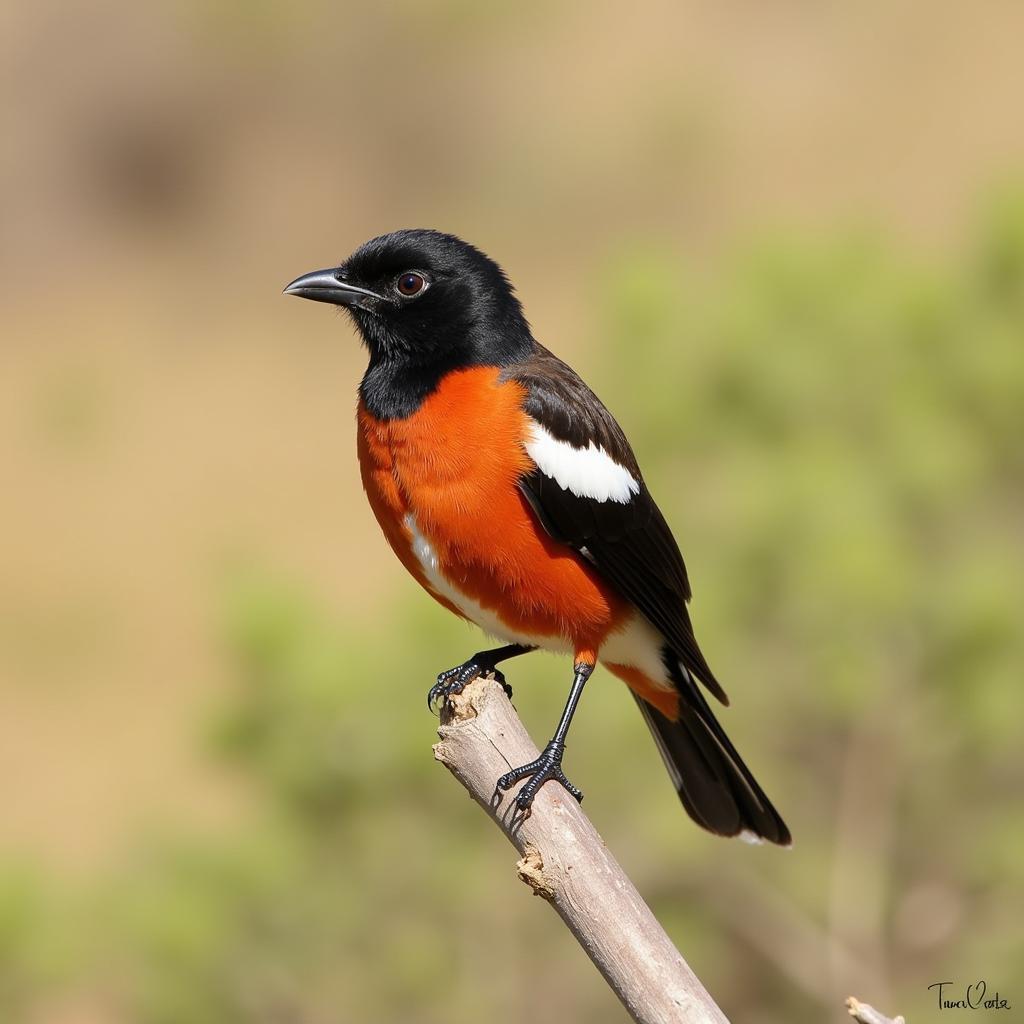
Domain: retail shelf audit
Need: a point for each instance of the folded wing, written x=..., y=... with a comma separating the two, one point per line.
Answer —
x=588, y=492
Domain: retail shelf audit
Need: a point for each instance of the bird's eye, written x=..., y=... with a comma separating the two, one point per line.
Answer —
x=411, y=284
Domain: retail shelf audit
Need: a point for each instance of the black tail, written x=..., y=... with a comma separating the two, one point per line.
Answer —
x=713, y=783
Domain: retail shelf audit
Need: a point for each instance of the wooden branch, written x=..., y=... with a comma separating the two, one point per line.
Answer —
x=865, y=1014
x=565, y=862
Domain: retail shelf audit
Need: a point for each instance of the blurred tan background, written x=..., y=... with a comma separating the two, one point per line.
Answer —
x=785, y=242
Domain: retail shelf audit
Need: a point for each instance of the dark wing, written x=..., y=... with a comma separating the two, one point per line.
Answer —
x=628, y=542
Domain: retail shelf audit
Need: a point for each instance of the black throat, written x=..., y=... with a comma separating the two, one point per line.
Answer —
x=398, y=381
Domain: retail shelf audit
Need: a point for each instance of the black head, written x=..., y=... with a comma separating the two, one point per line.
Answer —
x=425, y=303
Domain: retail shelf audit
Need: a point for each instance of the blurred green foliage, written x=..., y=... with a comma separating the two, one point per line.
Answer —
x=835, y=431
x=26, y=951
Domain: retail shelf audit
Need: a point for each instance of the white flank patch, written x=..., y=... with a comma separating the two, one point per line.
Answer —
x=751, y=837
x=473, y=610
x=637, y=644
x=588, y=472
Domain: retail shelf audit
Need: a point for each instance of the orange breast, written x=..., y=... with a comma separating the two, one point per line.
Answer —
x=443, y=486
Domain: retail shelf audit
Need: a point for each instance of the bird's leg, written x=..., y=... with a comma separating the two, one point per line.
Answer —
x=482, y=663
x=549, y=764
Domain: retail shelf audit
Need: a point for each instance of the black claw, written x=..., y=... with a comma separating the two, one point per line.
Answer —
x=455, y=680
x=547, y=767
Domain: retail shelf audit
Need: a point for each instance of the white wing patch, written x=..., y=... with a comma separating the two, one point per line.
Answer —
x=587, y=472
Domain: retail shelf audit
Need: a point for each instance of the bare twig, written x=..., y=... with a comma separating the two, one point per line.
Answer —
x=565, y=862
x=868, y=1014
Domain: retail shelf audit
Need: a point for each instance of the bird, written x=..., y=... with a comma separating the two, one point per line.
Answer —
x=510, y=493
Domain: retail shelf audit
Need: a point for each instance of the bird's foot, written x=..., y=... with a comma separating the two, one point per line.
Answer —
x=547, y=767
x=455, y=680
